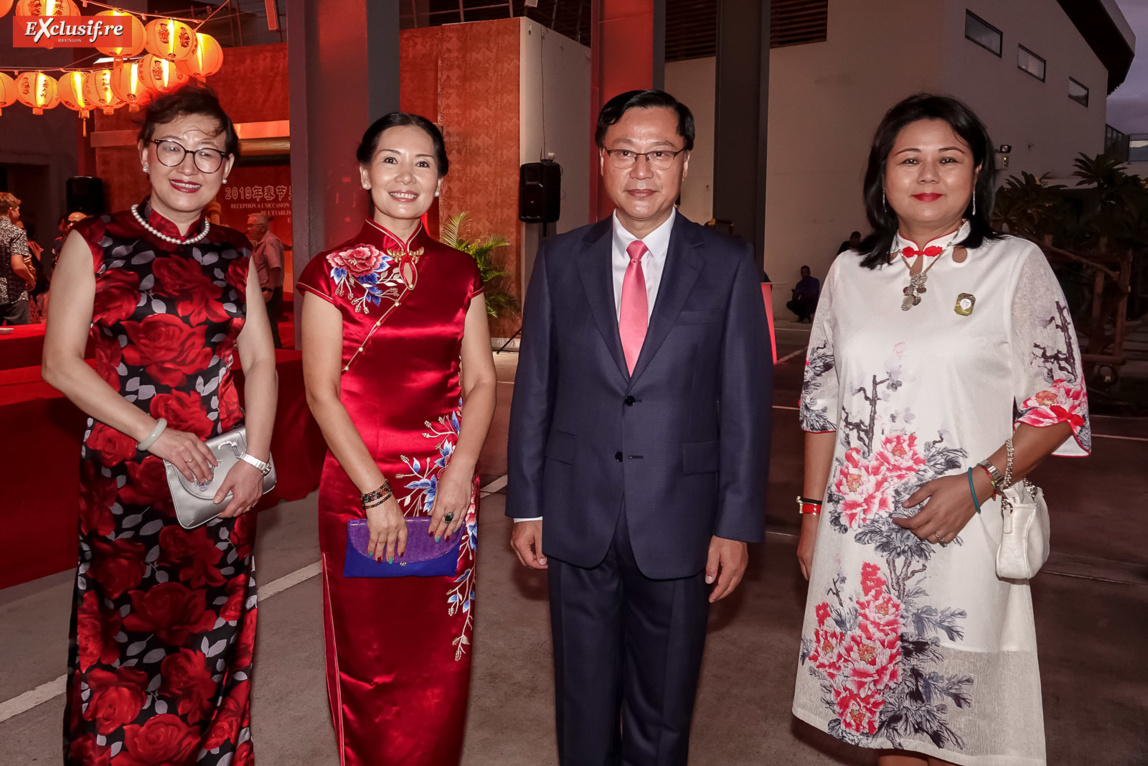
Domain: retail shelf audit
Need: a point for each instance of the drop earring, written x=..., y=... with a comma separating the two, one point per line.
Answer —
x=884, y=204
x=974, y=204
x=145, y=167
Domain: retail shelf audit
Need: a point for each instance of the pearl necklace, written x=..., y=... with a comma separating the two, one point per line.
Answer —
x=174, y=240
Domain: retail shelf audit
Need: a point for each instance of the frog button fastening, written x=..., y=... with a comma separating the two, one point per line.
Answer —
x=965, y=303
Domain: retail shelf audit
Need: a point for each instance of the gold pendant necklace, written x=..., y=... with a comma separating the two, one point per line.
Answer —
x=916, y=287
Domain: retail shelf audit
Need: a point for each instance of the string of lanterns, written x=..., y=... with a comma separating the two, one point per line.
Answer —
x=176, y=52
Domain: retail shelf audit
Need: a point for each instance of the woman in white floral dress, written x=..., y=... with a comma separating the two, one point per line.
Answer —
x=934, y=344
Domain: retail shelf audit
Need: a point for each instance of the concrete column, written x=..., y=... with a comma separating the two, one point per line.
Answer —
x=741, y=118
x=344, y=71
x=627, y=52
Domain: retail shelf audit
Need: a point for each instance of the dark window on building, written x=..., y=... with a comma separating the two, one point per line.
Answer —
x=982, y=33
x=1030, y=62
x=797, y=22
x=1077, y=92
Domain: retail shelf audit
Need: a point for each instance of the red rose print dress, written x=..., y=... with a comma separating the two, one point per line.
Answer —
x=398, y=650
x=163, y=619
x=907, y=644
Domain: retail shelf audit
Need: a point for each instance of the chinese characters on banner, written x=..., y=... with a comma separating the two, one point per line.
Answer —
x=261, y=189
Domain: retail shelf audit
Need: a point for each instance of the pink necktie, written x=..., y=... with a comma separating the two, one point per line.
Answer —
x=635, y=313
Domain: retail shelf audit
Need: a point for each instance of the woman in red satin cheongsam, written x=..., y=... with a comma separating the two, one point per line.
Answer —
x=398, y=314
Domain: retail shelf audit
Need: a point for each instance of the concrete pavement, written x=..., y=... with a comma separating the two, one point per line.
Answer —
x=1091, y=610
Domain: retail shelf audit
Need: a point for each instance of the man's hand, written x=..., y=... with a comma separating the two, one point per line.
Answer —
x=726, y=565
x=526, y=540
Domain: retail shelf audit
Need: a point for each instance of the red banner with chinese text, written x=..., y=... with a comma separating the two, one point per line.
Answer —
x=262, y=189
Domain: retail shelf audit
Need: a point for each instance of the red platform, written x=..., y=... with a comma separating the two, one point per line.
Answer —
x=40, y=472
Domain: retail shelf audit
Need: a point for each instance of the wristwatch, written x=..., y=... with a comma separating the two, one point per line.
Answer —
x=264, y=467
x=994, y=474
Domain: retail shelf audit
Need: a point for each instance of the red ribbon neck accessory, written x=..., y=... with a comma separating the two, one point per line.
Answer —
x=929, y=252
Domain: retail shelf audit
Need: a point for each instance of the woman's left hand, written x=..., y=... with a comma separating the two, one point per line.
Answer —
x=452, y=498
x=245, y=483
x=949, y=508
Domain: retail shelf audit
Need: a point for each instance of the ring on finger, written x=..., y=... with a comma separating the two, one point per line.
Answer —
x=448, y=518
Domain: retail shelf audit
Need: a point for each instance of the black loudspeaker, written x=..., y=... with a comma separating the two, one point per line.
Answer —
x=540, y=192
x=85, y=195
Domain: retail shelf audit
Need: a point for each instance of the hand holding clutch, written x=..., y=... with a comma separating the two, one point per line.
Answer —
x=388, y=530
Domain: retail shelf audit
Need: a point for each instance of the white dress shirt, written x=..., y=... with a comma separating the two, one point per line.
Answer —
x=657, y=244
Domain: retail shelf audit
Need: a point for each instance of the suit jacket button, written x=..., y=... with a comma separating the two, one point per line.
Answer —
x=618, y=456
x=629, y=401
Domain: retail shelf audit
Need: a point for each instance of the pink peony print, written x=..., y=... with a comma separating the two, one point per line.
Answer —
x=899, y=456
x=357, y=261
x=865, y=488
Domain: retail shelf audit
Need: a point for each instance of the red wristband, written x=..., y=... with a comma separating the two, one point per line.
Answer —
x=992, y=482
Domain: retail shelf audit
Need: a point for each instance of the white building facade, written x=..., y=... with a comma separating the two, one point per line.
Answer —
x=1033, y=74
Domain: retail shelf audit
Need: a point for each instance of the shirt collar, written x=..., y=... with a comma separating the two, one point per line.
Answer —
x=657, y=241
x=163, y=225
x=900, y=243
x=385, y=240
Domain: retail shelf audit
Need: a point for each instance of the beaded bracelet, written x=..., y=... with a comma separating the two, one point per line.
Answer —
x=382, y=494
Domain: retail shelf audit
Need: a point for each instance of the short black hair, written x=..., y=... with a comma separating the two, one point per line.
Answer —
x=370, y=142
x=613, y=110
x=188, y=100
x=875, y=248
x=853, y=234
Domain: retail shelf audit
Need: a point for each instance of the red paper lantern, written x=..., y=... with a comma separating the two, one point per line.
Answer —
x=138, y=36
x=169, y=39
x=38, y=91
x=8, y=91
x=46, y=8
x=161, y=74
x=207, y=59
x=5, y=6
x=99, y=93
x=131, y=85
x=70, y=88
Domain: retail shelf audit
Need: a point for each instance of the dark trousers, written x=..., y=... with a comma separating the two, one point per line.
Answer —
x=627, y=653
x=15, y=313
x=275, y=313
x=803, y=306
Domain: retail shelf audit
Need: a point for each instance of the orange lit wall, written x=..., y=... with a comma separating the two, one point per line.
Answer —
x=464, y=77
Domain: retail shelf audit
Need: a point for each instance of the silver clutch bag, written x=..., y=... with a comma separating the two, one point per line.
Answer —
x=194, y=500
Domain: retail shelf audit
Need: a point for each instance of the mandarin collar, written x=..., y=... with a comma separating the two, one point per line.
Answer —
x=163, y=225
x=943, y=241
x=386, y=240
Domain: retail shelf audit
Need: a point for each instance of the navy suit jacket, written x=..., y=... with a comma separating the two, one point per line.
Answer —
x=684, y=441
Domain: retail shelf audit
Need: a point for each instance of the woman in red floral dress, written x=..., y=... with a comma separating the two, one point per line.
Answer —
x=163, y=618
x=387, y=319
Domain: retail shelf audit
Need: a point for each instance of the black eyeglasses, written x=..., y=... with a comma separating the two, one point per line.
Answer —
x=172, y=153
x=624, y=158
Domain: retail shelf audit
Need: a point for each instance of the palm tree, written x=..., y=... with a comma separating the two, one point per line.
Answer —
x=482, y=251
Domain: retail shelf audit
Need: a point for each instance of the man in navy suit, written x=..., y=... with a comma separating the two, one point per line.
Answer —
x=639, y=442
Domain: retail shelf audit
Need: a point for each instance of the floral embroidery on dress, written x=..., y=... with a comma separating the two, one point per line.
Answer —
x=419, y=500
x=365, y=275
x=1064, y=400
x=876, y=651
x=818, y=364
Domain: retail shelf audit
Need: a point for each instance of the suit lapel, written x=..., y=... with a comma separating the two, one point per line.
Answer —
x=598, y=280
x=683, y=265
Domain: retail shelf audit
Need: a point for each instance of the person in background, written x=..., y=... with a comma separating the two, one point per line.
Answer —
x=66, y=224
x=805, y=296
x=163, y=618
x=852, y=243
x=16, y=278
x=268, y=260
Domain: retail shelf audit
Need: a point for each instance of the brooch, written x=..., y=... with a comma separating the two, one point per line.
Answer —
x=965, y=303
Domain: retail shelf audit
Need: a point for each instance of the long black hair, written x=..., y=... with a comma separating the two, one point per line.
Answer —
x=965, y=123
x=370, y=143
